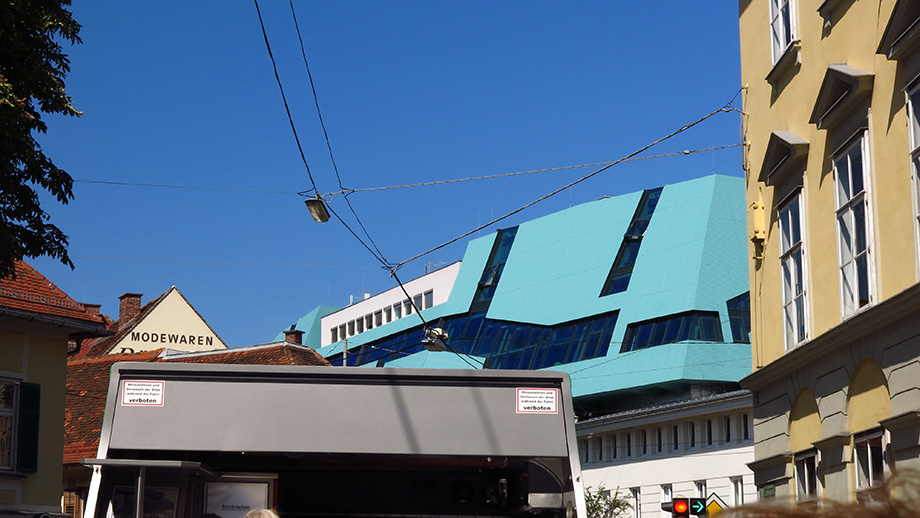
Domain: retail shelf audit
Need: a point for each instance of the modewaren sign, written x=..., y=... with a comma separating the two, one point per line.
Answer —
x=172, y=338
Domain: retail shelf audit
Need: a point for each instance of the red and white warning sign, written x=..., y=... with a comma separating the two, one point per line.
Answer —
x=142, y=393
x=537, y=401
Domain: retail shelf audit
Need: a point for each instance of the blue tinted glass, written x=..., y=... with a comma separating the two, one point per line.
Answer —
x=527, y=358
x=591, y=346
x=672, y=330
x=711, y=328
x=513, y=360
x=629, y=250
x=638, y=227
x=487, y=338
x=641, y=335
x=658, y=332
x=653, y=196
x=555, y=353
x=619, y=283
x=521, y=337
x=691, y=329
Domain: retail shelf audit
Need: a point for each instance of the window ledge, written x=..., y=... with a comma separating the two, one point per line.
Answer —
x=790, y=59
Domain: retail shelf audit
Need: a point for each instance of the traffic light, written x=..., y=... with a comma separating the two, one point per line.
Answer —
x=684, y=507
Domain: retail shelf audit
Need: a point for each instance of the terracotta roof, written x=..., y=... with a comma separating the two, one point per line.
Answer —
x=280, y=353
x=30, y=291
x=88, y=384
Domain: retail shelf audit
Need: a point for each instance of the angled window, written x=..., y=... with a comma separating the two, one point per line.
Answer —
x=869, y=458
x=901, y=38
x=493, y=269
x=781, y=27
x=806, y=475
x=739, y=317
x=853, y=235
x=792, y=265
x=913, y=105
x=702, y=326
x=618, y=278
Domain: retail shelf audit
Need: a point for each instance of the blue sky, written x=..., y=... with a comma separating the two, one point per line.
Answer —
x=183, y=94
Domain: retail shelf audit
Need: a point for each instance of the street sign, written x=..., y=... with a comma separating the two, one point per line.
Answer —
x=698, y=506
x=684, y=507
x=714, y=504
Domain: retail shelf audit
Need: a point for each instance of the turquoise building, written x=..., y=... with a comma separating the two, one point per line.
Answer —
x=641, y=298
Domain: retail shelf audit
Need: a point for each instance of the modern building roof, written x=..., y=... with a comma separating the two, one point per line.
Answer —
x=31, y=293
x=688, y=260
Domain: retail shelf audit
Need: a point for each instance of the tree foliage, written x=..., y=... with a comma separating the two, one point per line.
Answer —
x=32, y=70
x=603, y=503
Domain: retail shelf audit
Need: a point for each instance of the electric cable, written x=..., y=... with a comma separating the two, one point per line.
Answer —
x=322, y=124
x=287, y=108
x=550, y=169
x=726, y=109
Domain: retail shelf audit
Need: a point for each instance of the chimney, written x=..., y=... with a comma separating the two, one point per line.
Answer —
x=129, y=306
x=92, y=309
x=293, y=336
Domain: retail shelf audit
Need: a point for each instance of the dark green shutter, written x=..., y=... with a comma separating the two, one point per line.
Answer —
x=29, y=405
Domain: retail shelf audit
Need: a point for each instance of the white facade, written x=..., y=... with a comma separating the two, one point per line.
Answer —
x=690, y=449
x=426, y=291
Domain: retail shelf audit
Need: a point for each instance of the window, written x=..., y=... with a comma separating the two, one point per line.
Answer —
x=368, y=321
x=7, y=422
x=700, y=489
x=628, y=445
x=739, y=317
x=674, y=438
x=335, y=334
x=19, y=425
x=636, y=502
x=791, y=261
x=644, y=435
x=378, y=318
x=417, y=300
x=727, y=429
x=745, y=427
x=913, y=104
x=618, y=278
x=388, y=313
x=658, y=446
x=613, y=447
x=737, y=491
x=853, y=227
x=709, y=432
x=492, y=272
x=691, y=429
x=780, y=26
x=351, y=328
x=429, y=299
x=703, y=326
x=666, y=492
x=407, y=306
x=360, y=324
x=806, y=475
x=599, y=449
x=397, y=309
x=869, y=457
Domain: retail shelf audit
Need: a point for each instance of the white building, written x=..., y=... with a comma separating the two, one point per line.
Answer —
x=691, y=449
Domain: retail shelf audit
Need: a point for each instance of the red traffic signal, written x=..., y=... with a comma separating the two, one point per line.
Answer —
x=684, y=507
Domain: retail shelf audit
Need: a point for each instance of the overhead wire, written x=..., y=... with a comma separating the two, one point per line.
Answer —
x=724, y=109
x=322, y=124
x=549, y=169
x=287, y=108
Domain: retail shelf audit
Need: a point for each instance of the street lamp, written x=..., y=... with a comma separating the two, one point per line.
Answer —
x=317, y=208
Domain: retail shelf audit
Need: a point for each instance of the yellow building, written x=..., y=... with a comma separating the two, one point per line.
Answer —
x=832, y=152
x=37, y=322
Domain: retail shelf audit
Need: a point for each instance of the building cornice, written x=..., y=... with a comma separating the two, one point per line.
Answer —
x=903, y=305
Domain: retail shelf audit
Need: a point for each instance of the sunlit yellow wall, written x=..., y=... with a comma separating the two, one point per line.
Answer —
x=804, y=422
x=851, y=39
x=868, y=401
x=36, y=353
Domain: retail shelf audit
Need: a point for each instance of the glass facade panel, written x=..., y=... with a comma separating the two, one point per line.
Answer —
x=694, y=325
